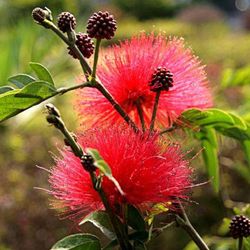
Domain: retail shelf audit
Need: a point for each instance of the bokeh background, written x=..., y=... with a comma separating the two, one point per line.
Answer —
x=219, y=33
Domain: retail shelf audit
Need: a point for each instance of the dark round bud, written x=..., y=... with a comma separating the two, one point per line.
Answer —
x=39, y=14
x=101, y=25
x=88, y=163
x=161, y=79
x=240, y=226
x=66, y=22
x=52, y=119
x=52, y=110
x=84, y=44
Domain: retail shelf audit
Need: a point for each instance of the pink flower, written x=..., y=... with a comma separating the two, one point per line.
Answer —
x=126, y=69
x=147, y=171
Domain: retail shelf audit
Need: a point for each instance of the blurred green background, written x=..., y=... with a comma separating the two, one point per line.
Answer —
x=218, y=32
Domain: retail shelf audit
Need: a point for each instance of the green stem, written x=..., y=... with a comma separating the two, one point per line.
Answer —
x=121, y=235
x=87, y=71
x=105, y=92
x=116, y=105
x=125, y=217
x=97, y=47
x=185, y=223
x=152, y=123
x=170, y=129
x=77, y=150
x=240, y=243
x=140, y=113
x=155, y=232
x=85, y=67
x=65, y=90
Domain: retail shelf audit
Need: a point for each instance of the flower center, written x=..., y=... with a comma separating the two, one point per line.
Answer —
x=161, y=79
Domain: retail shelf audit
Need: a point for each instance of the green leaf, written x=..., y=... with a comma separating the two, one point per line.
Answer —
x=103, y=167
x=238, y=121
x=246, y=147
x=226, y=123
x=42, y=72
x=4, y=89
x=234, y=132
x=15, y=101
x=78, y=242
x=208, y=117
x=94, y=153
x=157, y=209
x=21, y=80
x=210, y=155
x=135, y=219
x=101, y=220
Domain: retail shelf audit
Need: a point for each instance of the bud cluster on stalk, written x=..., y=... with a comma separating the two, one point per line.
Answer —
x=101, y=25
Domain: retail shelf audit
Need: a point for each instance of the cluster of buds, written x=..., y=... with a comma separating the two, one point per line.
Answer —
x=101, y=25
x=84, y=44
x=88, y=163
x=240, y=226
x=161, y=79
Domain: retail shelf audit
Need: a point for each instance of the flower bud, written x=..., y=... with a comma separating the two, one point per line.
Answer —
x=39, y=14
x=52, y=110
x=162, y=79
x=88, y=163
x=84, y=44
x=66, y=22
x=240, y=226
x=101, y=25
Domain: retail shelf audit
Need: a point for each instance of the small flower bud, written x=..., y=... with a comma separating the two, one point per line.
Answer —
x=88, y=163
x=84, y=44
x=240, y=226
x=162, y=79
x=52, y=110
x=51, y=119
x=101, y=25
x=39, y=14
x=66, y=22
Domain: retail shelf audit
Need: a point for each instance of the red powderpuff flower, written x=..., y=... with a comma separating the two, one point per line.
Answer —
x=147, y=174
x=126, y=70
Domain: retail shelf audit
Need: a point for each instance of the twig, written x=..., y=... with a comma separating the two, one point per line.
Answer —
x=85, y=66
x=54, y=118
x=152, y=123
x=97, y=47
x=140, y=113
x=185, y=223
x=170, y=129
x=240, y=243
x=116, y=105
